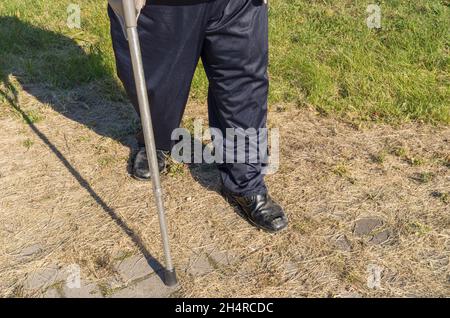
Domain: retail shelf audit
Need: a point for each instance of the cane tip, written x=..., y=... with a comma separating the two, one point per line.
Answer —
x=170, y=278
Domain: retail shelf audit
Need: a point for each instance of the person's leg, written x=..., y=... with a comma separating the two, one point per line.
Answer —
x=235, y=55
x=171, y=35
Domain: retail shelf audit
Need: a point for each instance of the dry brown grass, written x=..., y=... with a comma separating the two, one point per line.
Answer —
x=84, y=208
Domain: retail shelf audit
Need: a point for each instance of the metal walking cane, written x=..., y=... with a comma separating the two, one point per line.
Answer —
x=130, y=18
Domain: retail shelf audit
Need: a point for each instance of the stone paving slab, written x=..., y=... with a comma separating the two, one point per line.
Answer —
x=342, y=243
x=207, y=261
x=365, y=226
x=135, y=278
x=51, y=293
x=381, y=237
x=200, y=265
x=90, y=290
x=349, y=295
x=373, y=229
x=42, y=278
x=151, y=287
x=135, y=267
x=30, y=251
x=222, y=258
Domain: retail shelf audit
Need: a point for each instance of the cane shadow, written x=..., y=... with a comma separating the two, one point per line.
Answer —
x=42, y=61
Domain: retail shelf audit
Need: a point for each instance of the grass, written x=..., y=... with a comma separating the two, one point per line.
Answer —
x=322, y=55
x=424, y=177
x=101, y=214
x=416, y=161
x=28, y=143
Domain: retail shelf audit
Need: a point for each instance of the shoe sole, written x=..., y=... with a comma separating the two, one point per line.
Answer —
x=161, y=173
x=242, y=214
x=141, y=179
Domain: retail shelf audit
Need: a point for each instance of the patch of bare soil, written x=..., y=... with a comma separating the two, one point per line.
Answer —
x=368, y=206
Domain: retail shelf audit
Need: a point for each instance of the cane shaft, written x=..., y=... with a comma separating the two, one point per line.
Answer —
x=147, y=127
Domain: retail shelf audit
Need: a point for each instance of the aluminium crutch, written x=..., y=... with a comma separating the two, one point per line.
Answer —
x=130, y=14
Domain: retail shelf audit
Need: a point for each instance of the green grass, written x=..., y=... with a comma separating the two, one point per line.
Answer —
x=28, y=143
x=322, y=54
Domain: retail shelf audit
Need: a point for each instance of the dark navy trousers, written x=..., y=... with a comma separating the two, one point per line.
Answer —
x=231, y=38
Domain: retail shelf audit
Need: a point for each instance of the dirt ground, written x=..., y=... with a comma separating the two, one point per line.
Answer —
x=362, y=201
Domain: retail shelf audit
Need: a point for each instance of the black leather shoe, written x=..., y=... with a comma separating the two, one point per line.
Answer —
x=260, y=210
x=141, y=170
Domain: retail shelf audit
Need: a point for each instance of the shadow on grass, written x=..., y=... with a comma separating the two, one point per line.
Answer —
x=78, y=83
x=35, y=55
